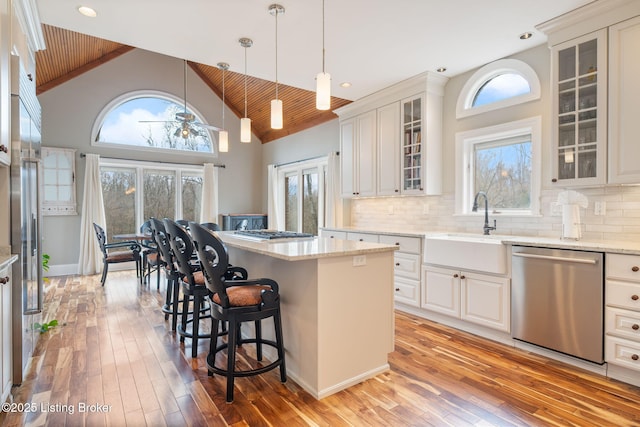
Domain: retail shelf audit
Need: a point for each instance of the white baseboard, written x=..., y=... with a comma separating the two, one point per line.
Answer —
x=71, y=269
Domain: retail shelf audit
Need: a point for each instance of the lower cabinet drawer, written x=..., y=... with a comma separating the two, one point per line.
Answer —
x=623, y=294
x=406, y=244
x=623, y=323
x=362, y=237
x=622, y=352
x=407, y=291
x=407, y=265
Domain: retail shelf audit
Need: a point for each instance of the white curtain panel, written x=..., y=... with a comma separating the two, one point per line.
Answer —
x=209, y=200
x=275, y=218
x=90, y=260
x=334, y=214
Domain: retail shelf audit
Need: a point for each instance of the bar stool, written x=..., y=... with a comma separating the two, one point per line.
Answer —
x=172, y=301
x=235, y=302
x=193, y=284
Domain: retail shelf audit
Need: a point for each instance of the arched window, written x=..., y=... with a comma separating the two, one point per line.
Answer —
x=498, y=85
x=152, y=120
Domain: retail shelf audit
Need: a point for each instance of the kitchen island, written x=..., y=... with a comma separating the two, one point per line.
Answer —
x=336, y=301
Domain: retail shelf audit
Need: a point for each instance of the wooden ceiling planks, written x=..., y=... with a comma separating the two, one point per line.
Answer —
x=70, y=54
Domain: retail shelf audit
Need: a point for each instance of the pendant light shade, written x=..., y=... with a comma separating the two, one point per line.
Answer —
x=323, y=79
x=276, y=104
x=276, y=114
x=323, y=91
x=245, y=122
x=223, y=135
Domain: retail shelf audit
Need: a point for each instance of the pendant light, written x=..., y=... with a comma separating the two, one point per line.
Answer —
x=276, y=104
x=323, y=79
x=245, y=122
x=223, y=135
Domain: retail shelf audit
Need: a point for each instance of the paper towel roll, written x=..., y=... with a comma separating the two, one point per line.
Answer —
x=571, y=222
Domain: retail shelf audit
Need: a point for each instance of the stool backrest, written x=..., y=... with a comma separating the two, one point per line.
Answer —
x=160, y=237
x=102, y=238
x=181, y=247
x=214, y=259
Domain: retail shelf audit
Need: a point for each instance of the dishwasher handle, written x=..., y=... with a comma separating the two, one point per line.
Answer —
x=557, y=258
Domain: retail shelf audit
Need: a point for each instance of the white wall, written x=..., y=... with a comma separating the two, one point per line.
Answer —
x=69, y=111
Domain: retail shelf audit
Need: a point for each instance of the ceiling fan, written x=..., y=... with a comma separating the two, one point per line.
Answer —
x=187, y=121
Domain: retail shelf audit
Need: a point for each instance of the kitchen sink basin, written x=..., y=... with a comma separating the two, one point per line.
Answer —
x=467, y=252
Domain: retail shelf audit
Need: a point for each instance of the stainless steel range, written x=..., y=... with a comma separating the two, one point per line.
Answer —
x=270, y=234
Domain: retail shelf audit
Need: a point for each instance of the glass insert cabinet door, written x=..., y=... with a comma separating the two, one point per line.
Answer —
x=412, y=145
x=580, y=85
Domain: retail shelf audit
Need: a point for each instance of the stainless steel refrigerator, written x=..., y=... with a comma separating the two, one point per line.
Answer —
x=25, y=218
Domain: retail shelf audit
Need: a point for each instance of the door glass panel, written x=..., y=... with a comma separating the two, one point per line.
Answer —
x=291, y=202
x=310, y=202
x=191, y=197
x=159, y=194
x=118, y=192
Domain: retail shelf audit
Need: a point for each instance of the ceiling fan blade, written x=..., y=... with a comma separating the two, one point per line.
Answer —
x=202, y=125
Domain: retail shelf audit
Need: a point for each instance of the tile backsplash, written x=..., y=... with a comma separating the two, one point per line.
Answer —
x=617, y=218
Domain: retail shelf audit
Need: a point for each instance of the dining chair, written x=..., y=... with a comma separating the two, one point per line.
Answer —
x=150, y=257
x=118, y=252
x=235, y=302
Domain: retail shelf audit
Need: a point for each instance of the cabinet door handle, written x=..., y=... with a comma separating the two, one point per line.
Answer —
x=397, y=264
x=3, y=148
x=634, y=357
x=362, y=240
x=462, y=277
x=635, y=268
x=4, y=280
x=634, y=297
x=455, y=276
x=635, y=327
x=554, y=180
x=397, y=289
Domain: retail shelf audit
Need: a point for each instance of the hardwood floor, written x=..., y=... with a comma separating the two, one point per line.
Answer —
x=115, y=350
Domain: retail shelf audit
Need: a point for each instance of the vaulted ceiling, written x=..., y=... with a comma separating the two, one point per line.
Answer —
x=69, y=54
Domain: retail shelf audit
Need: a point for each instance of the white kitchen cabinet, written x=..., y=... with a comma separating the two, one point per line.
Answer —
x=579, y=88
x=388, y=150
x=404, y=124
x=407, y=267
x=362, y=237
x=476, y=298
x=624, y=110
x=622, y=311
x=358, y=155
x=5, y=332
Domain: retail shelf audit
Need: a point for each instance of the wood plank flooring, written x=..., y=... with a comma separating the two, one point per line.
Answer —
x=115, y=350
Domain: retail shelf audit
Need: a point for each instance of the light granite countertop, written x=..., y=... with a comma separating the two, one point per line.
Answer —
x=610, y=246
x=304, y=248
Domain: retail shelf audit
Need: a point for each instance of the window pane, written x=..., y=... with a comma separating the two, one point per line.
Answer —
x=310, y=202
x=191, y=197
x=501, y=87
x=503, y=172
x=291, y=203
x=118, y=192
x=154, y=122
x=159, y=194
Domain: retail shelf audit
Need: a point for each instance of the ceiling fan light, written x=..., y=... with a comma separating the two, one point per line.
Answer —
x=245, y=129
x=323, y=91
x=223, y=141
x=276, y=114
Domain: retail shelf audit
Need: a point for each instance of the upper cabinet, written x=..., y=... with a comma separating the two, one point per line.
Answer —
x=391, y=141
x=624, y=110
x=580, y=100
x=595, y=88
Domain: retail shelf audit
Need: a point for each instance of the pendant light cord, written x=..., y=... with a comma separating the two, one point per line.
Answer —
x=223, y=70
x=245, y=81
x=277, y=13
x=323, y=36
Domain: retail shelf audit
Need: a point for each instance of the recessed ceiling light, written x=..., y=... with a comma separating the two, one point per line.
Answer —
x=87, y=11
x=525, y=36
x=441, y=69
x=345, y=84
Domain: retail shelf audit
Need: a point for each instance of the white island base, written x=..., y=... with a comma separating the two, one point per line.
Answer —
x=337, y=317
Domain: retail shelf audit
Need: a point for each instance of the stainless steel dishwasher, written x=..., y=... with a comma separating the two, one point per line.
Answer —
x=557, y=300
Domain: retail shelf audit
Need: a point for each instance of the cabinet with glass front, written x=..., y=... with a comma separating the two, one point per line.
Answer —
x=580, y=110
x=412, y=145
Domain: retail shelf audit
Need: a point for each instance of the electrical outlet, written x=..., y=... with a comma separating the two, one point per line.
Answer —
x=359, y=260
x=600, y=208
